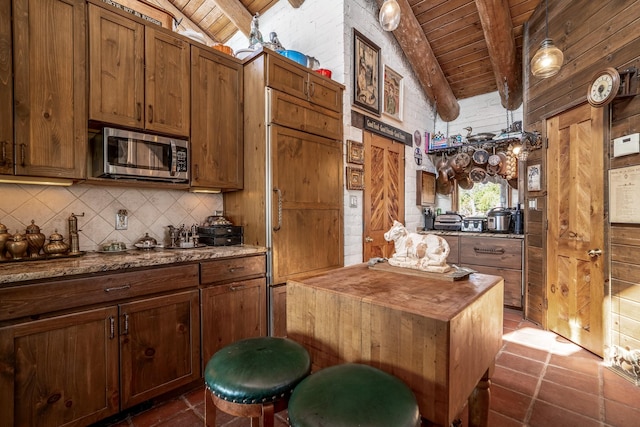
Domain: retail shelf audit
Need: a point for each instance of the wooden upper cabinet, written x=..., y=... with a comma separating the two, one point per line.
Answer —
x=50, y=113
x=116, y=71
x=216, y=121
x=6, y=90
x=138, y=75
x=286, y=76
x=166, y=83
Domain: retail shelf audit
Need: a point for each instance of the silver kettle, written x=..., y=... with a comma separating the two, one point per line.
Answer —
x=499, y=220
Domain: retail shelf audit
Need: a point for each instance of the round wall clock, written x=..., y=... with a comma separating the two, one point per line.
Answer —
x=603, y=87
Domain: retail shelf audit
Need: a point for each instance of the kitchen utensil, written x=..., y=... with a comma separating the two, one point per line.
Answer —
x=443, y=187
x=480, y=157
x=324, y=72
x=146, y=242
x=477, y=174
x=35, y=240
x=4, y=237
x=294, y=55
x=17, y=246
x=499, y=220
x=465, y=182
x=223, y=48
x=113, y=248
x=56, y=245
x=460, y=162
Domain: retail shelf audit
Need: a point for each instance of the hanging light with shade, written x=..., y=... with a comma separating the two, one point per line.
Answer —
x=548, y=59
x=389, y=15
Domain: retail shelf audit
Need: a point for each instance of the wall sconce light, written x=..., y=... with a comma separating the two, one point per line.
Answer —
x=389, y=15
x=548, y=59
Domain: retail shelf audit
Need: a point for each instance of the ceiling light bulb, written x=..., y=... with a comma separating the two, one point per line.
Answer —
x=389, y=15
x=547, y=60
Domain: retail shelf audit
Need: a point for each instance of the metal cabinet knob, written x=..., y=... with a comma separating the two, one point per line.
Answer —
x=594, y=253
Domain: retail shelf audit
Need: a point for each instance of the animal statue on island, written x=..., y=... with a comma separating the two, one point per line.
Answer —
x=426, y=252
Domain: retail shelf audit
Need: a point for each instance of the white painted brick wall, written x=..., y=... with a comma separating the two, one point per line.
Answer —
x=324, y=29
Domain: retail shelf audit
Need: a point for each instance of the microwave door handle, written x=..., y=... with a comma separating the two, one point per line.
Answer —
x=173, y=169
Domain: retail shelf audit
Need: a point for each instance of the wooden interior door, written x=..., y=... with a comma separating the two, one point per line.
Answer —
x=307, y=199
x=383, y=193
x=575, y=236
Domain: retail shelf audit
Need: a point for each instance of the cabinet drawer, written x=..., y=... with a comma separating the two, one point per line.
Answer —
x=454, y=248
x=325, y=93
x=493, y=252
x=229, y=269
x=55, y=295
x=295, y=113
x=512, y=282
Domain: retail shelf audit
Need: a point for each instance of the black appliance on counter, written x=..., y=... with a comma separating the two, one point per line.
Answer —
x=221, y=235
x=429, y=218
x=450, y=221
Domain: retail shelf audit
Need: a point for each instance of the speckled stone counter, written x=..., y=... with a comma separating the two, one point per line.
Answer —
x=468, y=233
x=94, y=262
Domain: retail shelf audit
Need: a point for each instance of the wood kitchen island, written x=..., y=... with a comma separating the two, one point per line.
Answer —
x=440, y=337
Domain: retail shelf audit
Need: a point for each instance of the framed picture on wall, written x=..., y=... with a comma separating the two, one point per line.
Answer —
x=355, y=179
x=533, y=178
x=355, y=152
x=366, y=73
x=392, y=95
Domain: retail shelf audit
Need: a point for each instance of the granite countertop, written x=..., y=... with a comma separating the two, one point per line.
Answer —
x=95, y=262
x=468, y=233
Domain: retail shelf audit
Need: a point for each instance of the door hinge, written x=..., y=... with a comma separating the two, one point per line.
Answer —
x=545, y=303
x=546, y=224
x=546, y=143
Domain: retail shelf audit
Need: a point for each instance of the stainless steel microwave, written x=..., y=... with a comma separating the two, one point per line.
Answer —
x=119, y=153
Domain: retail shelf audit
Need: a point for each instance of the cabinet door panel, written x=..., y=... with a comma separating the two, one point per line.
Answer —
x=6, y=90
x=167, y=83
x=296, y=113
x=286, y=77
x=159, y=344
x=512, y=283
x=307, y=171
x=232, y=312
x=325, y=93
x=454, y=248
x=65, y=372
x=50, y=88
x=216, y=121
x=116, y=67
x=226, y=270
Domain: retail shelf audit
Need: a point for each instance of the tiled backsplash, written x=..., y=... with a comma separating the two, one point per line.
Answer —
x=149, y=210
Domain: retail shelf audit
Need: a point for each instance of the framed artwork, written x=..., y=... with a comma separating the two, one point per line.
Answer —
x=366, y=73
x=355, y=179
x=355, y=152
x=392, y=95
x=533, y=178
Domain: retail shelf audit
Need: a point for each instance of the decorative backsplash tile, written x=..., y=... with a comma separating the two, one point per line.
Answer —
x=149, y=211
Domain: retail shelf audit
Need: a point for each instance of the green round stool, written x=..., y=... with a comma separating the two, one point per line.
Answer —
x=353, y=395
x=254, y=378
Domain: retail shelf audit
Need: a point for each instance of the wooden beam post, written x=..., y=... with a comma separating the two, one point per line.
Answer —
x=417, y=49
x=498, y=33
x=237, y=13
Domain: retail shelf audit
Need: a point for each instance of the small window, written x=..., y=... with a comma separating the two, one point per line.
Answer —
x=484, y=196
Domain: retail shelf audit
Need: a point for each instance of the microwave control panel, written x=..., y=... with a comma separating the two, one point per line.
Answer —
x=181, y=163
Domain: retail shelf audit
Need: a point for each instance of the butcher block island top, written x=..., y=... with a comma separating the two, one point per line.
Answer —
x=440, y=337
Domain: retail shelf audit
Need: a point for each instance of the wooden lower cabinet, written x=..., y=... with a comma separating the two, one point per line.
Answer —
x=159, y=346
x=233, y=302
x=232, y=312
x=61, y=370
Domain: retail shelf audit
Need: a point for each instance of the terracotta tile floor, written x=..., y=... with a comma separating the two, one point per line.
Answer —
x=541, y=380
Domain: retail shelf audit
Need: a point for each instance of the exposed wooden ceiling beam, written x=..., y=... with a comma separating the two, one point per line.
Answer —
x=417, y=49
x=498, y=33
x=184, y=20
x=237, y=13
x=296, y=3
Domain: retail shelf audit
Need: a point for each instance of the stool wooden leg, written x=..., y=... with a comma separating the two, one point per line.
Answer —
x=209, y=409
x=267, y=415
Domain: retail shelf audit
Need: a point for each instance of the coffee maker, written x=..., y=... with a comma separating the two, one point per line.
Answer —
x=429, y=218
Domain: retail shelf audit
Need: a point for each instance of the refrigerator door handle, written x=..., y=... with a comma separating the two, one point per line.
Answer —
x=279, y=193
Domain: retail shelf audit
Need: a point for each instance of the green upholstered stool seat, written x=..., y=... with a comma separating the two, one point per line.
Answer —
x=254, y=377
x=353, y=395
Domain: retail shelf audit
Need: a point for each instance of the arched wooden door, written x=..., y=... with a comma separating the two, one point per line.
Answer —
x=383, y=193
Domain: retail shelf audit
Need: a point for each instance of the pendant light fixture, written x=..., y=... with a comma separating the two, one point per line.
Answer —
x=389, y=15
x=548, y=59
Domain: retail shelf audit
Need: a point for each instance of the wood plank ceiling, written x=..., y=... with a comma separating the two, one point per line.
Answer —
x=472, y=47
